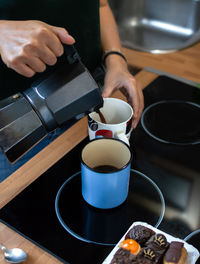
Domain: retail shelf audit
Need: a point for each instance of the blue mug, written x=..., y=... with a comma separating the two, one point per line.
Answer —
x=105, y=172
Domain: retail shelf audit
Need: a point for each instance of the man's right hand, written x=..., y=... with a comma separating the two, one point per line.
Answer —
x=28, y=46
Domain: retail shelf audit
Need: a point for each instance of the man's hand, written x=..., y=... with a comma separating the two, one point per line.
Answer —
x=118, y=78
x=28, y=46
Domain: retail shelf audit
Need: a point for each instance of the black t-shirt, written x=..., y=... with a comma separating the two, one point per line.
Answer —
x=79, y=17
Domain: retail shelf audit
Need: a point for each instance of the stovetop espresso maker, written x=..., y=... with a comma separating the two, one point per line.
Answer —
x=66, y=91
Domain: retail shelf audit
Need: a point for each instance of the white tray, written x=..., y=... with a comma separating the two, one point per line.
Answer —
x=193, y=253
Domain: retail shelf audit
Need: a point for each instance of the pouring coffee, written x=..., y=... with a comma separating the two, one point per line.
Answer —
x=114, y=120
x=102, y=118
x=49, y=103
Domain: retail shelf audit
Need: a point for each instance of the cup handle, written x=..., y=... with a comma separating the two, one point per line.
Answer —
x=120, y=135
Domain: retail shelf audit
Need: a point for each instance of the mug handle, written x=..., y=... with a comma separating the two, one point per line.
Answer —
x=120, y=135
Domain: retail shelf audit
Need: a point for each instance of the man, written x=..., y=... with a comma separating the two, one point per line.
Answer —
x=32, y=35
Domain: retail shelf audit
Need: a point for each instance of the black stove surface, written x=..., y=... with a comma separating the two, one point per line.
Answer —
x=92, y=225
x=175, y=168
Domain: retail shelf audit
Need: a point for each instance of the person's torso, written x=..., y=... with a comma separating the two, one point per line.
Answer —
x=79, y=17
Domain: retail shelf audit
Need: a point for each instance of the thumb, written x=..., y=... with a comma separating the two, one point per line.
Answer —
x=63, y=35
x=106, y=91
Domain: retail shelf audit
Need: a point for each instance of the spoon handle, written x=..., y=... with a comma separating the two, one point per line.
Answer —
x=3, y=248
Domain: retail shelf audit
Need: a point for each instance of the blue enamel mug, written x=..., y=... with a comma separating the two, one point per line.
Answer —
x=105, y=172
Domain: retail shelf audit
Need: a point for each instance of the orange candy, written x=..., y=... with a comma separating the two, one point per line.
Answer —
x=131, y=245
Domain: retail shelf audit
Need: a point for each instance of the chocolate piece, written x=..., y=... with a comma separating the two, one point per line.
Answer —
x=142, y=260
x=123, y=256
x=173, y=254
x=152, y=254
x=158, y=242
x=148, y=253
x=140, y=234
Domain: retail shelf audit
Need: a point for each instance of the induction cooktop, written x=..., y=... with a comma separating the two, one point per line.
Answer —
x=164, y=188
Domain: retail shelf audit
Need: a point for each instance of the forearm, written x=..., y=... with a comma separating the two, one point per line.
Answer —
x=117, y=74
x=109, y=34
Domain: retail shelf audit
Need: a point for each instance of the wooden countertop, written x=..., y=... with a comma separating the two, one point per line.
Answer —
x=185, y=64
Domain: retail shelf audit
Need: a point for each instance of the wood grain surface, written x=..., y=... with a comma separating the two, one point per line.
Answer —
x=184, y=63
x=35, y=254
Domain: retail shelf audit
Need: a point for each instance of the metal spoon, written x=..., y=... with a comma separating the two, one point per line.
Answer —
x=14, y=255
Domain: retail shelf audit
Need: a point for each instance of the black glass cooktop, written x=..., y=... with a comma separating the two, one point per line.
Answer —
x=178, y=122
x=166, y=160
x=96, y=226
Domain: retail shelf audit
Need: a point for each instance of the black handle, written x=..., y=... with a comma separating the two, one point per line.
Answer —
x=71, y=53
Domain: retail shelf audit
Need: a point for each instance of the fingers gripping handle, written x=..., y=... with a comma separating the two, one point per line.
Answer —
x=121, y=136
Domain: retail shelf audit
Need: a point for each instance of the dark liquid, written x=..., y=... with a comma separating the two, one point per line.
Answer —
x=105, y=168
x=101, y=117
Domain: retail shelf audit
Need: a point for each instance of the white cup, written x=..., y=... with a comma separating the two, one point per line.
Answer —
x=118, y=115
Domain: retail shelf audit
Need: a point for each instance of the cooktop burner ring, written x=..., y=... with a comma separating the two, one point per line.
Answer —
x=93, y=215
x=193, y=239
x=171, y=128
x=194, y=233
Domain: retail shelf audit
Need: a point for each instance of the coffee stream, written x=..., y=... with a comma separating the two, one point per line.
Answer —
x=102, y=118
x=105, y=168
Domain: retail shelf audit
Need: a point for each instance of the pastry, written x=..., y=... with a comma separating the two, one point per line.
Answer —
x=143, y=246
x=158, y=242
x=131, y=245
x=176, y=254
x=123, y=256
x=127, y=252
x=140, y=234
x=143, y=260
x=155, y=248
x=152, y=255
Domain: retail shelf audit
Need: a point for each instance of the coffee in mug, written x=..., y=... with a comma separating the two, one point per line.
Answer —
x=105, y=168
x=113, y=120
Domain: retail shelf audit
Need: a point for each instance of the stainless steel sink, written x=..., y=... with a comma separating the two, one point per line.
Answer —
x=157, y=26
